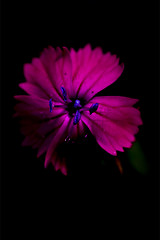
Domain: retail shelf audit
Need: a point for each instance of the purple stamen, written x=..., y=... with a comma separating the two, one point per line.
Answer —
x=77, y=117
x=93, y=108
x=50, y=105
x=64, y=93
x=77, y=104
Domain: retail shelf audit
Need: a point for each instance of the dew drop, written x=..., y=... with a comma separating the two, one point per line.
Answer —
x=67, y=139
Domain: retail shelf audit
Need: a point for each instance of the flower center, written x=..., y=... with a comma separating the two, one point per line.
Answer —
x=74, y=106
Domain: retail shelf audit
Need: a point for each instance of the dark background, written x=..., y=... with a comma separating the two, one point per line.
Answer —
x=32, y=196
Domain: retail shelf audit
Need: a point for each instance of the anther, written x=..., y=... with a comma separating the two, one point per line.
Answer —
x=77, y=117
x=93, y=108
x=77, y=104
x=64, y=93
x=50, y=105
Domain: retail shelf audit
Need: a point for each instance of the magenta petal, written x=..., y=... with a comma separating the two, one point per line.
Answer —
x=56, y=161
x=32, y=89
x=81, y=128
x=58, y=137
x=79, y=58
x=114, y=101
x=67, y=72
x=120, y=115
x=87, y=60
x=32, y=140
x=108, y=138
x=115, y=144
x=118, y=109
x=44, y=145
x=36, y=74
x=58, y=65
x=99, y=133
x=93, y=71
x=32, y=100
x=118, y=119
x=63, y=168
x=52, y=124
x=59, y=163
x=36, y=107
x=29, y=140
x=103, y=63
x=72, y=130
x=97, y=82
x=24, y=110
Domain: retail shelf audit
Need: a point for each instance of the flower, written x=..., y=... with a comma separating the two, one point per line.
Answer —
x=61, y=102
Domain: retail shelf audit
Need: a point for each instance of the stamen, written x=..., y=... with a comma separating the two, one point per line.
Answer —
x=64, y=93
x=93, y=108
x=50, y=105
x=77, y=104
x=77, y=117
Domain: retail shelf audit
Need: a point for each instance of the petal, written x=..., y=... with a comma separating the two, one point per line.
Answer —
x=81, y=128
x=93, y=71
x=67, y=72
x=45, y=144
x=79, y=58
x=115, y=101
x=72, y=130
x=121, y=113
x=99, y=133
x=33, y=90
x=99, y=80
x=32, y=100
x=86, y=60
x=28, y=141
x=50, y=125
x=36, y=74
x=97, y=67
x=59, y=137
x=58, y=65
x=32, y=140
x=59, y=163
x=63, y=168
x=115, y=144
x=36, y=108
x=119, y=120
x=28, y=126
x=113, y=128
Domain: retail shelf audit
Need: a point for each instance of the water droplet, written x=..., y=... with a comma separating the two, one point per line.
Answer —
x=67, y=139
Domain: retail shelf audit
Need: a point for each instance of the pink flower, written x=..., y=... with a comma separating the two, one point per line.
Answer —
x=62, y=85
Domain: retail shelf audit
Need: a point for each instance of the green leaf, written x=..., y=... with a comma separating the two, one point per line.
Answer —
x=137, y=158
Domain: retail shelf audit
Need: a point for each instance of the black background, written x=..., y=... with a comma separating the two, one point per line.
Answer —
x=33, y=196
